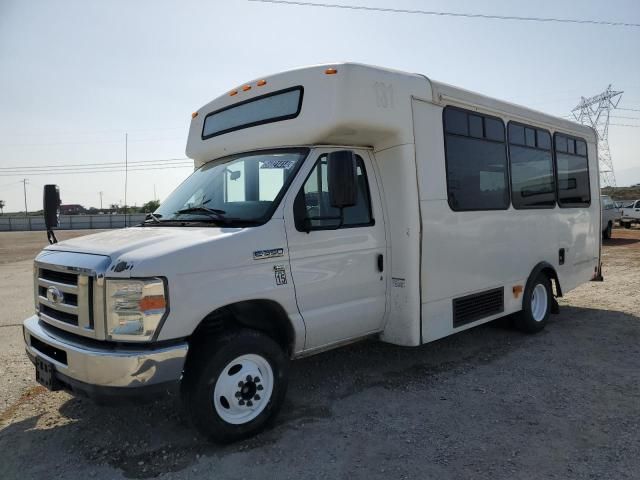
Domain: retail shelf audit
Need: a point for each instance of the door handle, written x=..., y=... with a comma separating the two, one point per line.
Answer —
x=380, y=263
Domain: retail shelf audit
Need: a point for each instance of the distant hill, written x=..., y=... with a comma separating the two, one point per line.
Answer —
x=622, y=193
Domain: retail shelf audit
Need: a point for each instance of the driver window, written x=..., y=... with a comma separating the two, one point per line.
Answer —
x=313, y=208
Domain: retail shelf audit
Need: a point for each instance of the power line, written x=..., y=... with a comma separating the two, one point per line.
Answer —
x=101, y=164
x=630, y=109
x=96, y=169
x=28, y=145
x=20, y=174
x=451, y=14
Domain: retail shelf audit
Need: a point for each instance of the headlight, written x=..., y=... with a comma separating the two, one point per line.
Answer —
x=135, y=308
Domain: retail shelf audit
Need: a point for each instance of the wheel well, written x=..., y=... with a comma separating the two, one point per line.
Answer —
x=550, y=272
x=266, y=316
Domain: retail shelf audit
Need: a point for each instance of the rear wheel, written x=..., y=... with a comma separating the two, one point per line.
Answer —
x=234, y=392
x=536, y=305
x=627, y=224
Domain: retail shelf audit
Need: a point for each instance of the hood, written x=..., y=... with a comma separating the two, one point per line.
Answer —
x=141, y=251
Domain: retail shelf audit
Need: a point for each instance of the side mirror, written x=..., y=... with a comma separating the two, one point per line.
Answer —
x=51, y=206
x=341, y=173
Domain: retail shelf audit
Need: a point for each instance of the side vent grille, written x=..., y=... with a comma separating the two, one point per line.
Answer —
x=479, y=305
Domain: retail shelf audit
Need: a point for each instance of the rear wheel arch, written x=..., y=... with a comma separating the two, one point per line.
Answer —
x=548, y=270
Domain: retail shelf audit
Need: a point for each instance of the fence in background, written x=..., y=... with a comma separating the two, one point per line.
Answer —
x=71, y=222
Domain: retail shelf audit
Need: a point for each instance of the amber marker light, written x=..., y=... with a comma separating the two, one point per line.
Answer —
x=246, y=88
x=331, y=71
x=233, y=93
x=261, y=83
x=517, y=290
x=194, y=114
x=152, y=302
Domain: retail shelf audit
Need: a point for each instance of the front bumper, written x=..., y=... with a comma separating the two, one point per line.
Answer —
x=100, y=369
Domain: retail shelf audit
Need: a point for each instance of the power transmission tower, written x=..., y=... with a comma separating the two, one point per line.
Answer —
x=594, y=111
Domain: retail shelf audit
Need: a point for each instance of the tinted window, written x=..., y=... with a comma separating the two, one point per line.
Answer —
x=561, y=143
x=544, y=140
x=456, y=122
x=494, y=129
x=516, y=134
x=475, y=126
x=313, y=208
x=581, y=148
x=264, y=109
x=532, y=178
x=476, y=167
x=530, y=137
x=573, y=174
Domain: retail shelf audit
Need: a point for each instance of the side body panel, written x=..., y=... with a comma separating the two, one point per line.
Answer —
x=397, y=169
x=470, y=252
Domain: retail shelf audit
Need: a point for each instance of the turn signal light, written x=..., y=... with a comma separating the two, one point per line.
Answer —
x=152, y=302
x=517, y=290
x=331, y=71
x=261, y=83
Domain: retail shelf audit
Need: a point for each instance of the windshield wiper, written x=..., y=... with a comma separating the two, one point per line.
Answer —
x=152, y=218
x=212, y=212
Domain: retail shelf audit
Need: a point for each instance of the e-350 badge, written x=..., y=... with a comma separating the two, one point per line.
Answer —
x=271, y=253
x=280, y=274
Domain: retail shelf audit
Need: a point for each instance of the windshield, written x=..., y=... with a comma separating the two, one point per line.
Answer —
x=239, y=190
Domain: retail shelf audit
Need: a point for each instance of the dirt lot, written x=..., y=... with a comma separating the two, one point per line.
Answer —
x=489, y=403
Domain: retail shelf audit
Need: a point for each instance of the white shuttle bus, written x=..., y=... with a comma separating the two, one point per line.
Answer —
x=328, y=204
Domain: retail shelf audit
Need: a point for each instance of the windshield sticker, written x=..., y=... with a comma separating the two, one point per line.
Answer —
x=277, y=163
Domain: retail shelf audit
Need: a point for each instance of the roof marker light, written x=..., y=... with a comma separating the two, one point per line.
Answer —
x=331, y=71
x=194, y=114
x=261, y=83
x=246, y=87
x=233, y=93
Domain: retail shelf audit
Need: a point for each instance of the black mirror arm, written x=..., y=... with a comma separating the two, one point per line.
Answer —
x=51, y=237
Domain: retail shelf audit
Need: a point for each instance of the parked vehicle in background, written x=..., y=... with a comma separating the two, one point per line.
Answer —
x=330, y=204
x=630, y=214
x=610, y=215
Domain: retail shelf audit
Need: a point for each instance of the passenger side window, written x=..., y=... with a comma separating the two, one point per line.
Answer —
x=532, y=178
x=312, y=207
x=476, y=157
x=573, y=171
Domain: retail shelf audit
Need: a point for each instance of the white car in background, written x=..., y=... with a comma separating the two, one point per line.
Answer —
x=630, y=214
x=610, y=215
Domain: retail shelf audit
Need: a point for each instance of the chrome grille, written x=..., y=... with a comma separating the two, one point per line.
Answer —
x=72, y=308
x=69, y=293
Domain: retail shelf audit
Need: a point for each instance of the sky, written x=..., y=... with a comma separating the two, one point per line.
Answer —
x=76, y=75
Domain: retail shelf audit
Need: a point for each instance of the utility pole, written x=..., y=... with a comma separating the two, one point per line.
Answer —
x=100, y=193
x=126, y=175
x=154, y=192
x=594, y=111
x=24, y=186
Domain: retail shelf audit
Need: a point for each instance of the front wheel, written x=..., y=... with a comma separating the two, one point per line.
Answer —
x=536, y=305
x=606, y=234
x=234, y=392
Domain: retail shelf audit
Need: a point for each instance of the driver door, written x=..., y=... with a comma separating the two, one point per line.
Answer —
x=338, y=269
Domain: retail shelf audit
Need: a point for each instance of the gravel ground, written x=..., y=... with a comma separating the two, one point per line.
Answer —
x=489, y=403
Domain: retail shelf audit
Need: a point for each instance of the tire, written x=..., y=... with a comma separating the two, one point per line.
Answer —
x=627, y=224
x=606, y=234
x=536, y=305
x=235, y=385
